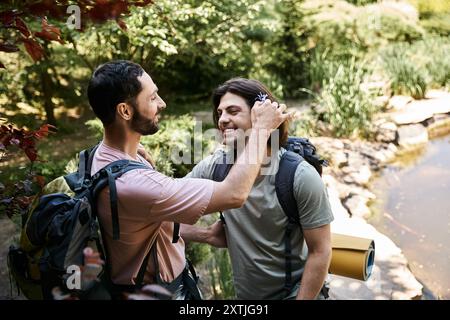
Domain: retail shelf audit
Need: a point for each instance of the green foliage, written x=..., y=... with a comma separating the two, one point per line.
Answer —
x=177, y=137
x=412, y=69
x=438, y=63
x=360, y=2
x=437, y=23
x=198, y=253
x=406, y=77
x=339, y=30
x=434, y=15
x=346, y=106
x=427, y=8
x=221, y=274
x=380, y=24
x=305, y=126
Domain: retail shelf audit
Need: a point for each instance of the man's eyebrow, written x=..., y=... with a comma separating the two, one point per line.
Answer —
x=155, y=91
x=228, y=107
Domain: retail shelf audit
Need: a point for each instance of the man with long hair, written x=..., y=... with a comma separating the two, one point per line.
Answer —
x=254, y=233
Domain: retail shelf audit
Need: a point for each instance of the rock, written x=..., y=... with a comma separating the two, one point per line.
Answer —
x=327, y=143
x=356, y=160
x=388, y=154
x=360, y=176
x=381, y=102
x=421, y=110
x=414, y=114
x=436, y=94
x=357, y=206
x=439, y=126
x=356, y=190
x=399, y=102
x=339, y=212
x=386, y=132
x=339, y=159
x=412, y=136
x=392, y=147
x=435, y=106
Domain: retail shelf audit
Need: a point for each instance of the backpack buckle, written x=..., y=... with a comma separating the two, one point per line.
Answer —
x=87, y=183
x=297, y=148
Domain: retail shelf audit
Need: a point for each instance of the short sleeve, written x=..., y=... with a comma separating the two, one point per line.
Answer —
x=161, y=198
x=205, y=168
x=312, y=198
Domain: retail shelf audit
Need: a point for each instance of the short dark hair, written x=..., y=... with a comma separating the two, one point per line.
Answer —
x=112, y=83
x=249, y=90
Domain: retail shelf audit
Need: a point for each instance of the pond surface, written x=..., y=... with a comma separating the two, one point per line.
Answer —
x=413, y=209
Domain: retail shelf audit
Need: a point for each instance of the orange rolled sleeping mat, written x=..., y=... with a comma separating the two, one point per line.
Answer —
x=352, y=257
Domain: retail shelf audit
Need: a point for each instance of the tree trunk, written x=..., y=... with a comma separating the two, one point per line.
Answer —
x=47, y=91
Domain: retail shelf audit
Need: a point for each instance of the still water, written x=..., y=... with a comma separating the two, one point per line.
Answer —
x=413, y=209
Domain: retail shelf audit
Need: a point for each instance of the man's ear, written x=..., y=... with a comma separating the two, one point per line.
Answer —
x=124, y=110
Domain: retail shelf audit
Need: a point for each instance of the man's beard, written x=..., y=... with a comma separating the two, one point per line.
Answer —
x=143, y=125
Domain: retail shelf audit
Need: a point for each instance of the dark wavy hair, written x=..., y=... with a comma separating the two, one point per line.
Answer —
x=249, y=90
x=112, y=83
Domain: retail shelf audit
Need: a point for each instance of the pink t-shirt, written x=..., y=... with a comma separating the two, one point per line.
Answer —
x=148, y=204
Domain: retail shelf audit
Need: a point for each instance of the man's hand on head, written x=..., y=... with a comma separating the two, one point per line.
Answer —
x=269, y=115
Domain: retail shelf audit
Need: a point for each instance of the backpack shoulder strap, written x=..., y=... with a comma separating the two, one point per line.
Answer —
x=90, y=157
x=221, y=169
x=284, y=184
x=284, y=187
x=220, y=172
x=108, y=176
x=76, y=180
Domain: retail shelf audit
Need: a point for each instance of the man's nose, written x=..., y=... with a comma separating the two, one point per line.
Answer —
x=223, y=119
x=162, y=104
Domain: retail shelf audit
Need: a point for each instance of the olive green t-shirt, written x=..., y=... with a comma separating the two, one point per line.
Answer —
x=255, y=231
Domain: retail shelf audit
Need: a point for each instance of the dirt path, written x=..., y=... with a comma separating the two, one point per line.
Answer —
x=8, y=230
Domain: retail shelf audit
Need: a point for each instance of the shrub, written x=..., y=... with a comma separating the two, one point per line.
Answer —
x=412, y=68
x=434, y=51
x=406, y=76
x=346, y=107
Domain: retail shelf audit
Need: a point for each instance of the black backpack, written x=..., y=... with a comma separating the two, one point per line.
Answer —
x=60, y=225
x=298, y=150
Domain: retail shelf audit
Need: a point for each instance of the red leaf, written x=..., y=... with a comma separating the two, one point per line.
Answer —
x=7, y=47
x=44, y=131
x=40, y=180
x=49, y=32
x=104, y=10
x=33, y=48
x=122, y=24
x=31, y=153
x=22, y=27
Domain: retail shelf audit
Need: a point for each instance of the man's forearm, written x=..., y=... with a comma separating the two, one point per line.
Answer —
x=248, y=164
x=316, y=270
x=194, y=233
